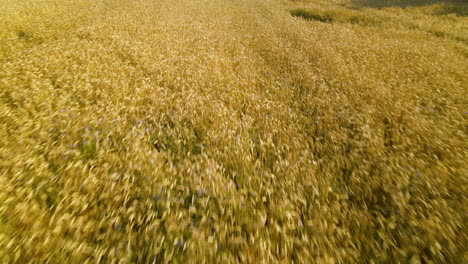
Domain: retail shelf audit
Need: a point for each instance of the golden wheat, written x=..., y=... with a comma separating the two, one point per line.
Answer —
x=233, y=131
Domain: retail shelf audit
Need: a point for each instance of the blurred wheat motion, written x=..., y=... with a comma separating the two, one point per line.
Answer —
x=233, y=131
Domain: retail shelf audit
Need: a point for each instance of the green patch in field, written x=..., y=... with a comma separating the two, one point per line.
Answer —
x=88, y=148
x=46, y=196
x=179, y=138
x=24, y=35
x=322, y=17
x=335, y=16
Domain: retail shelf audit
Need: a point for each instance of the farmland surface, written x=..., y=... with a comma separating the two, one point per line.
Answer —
x=233, y=131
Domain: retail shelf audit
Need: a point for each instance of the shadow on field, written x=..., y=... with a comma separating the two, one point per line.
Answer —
x=457, y=7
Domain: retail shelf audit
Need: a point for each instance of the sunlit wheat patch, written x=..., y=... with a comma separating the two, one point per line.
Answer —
x=233, y=131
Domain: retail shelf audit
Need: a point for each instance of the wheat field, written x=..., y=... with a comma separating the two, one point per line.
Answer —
x=233, y=131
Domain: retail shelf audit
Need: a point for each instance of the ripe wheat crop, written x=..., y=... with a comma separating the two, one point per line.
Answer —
x=227, y=131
